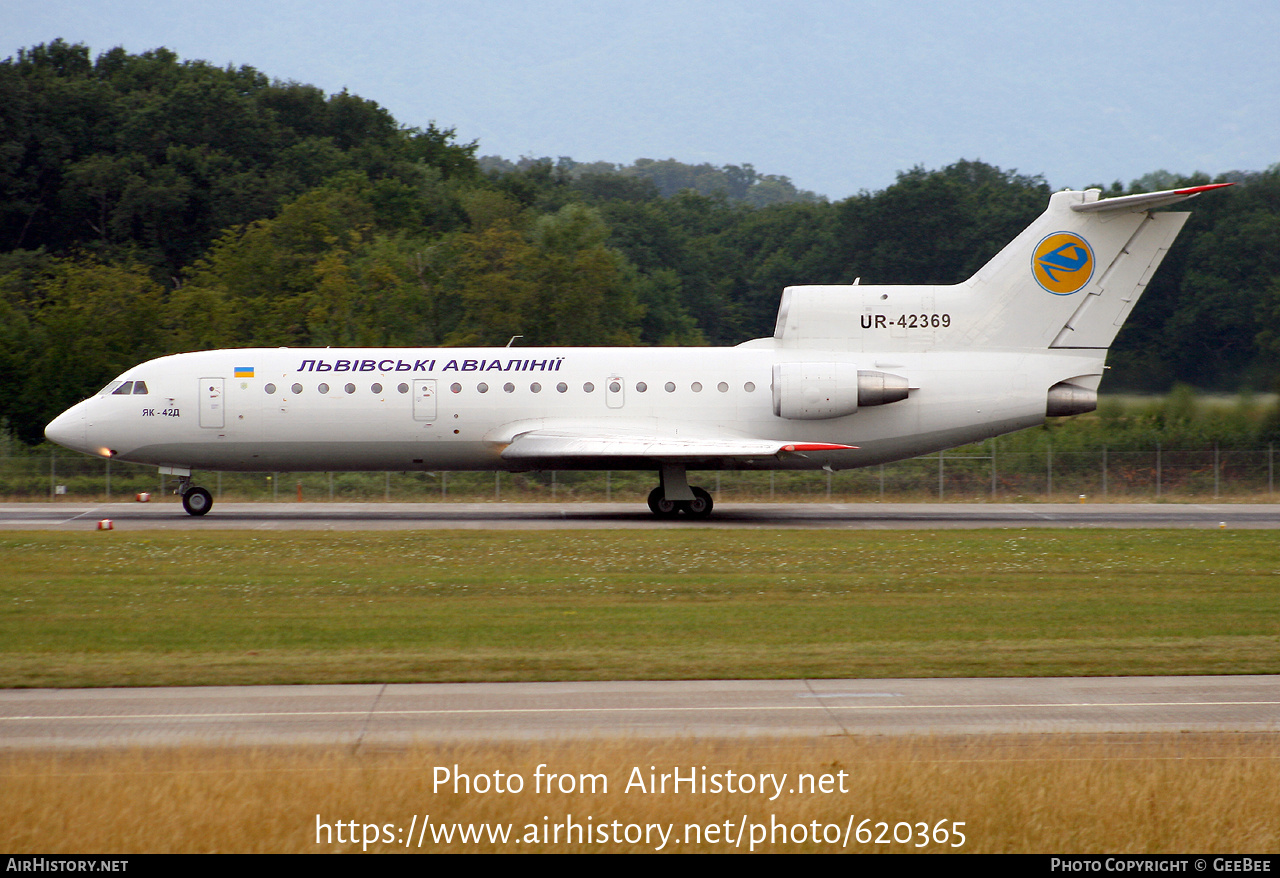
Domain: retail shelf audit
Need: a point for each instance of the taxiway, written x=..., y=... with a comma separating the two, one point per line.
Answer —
x=398, y=714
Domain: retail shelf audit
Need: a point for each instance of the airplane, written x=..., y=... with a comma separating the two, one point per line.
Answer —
x=853, y=376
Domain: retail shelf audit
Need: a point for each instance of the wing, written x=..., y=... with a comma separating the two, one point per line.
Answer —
x=605, y=445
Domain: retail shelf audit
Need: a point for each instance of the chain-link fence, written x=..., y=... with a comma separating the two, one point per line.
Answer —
x=976, y=473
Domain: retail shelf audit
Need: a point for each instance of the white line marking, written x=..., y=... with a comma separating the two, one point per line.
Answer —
x=851, y=695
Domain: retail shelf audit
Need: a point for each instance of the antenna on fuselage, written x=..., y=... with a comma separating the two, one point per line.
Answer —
x=513, y=339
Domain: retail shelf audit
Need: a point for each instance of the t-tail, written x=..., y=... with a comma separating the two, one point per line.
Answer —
x=1068, y=282
x=1071, y=279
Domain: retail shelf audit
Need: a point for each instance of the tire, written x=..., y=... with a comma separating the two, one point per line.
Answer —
x=700, y=506
x=197, y=501
x=661, y=506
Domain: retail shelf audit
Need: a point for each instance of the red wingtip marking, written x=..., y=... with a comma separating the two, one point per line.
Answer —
x=1196, y=190
x=819, y=446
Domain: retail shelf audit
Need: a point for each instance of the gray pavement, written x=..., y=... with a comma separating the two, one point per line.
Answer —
x=540, y=516
x=381, y=715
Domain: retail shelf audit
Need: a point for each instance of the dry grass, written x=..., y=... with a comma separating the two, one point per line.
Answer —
x=1114, y=794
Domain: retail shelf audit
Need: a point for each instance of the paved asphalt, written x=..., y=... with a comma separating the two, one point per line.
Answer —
x=381, y=715
x=535, y=516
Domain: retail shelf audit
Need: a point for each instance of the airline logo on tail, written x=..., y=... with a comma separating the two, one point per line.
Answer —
x=1062, y=263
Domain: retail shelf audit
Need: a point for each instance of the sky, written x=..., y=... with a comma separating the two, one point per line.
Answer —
x=838, y=95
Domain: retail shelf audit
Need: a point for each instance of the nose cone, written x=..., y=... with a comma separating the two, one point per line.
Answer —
x=68, y=430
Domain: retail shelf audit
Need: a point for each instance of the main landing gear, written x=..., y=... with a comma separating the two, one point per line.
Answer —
x=674, y=496
x=196, y=500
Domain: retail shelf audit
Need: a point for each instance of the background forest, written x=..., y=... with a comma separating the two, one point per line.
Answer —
x=150, y=205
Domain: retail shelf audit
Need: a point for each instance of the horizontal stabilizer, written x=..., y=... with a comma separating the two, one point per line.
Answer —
x=1145, y=200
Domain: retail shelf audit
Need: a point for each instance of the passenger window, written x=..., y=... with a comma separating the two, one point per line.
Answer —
x=403, y=388
x=562, y=387
x=535, y=387
x=509, y=387
x=323, y=388
x=749, y=387
x=482, y=387
x=697, y=387
x=641, y=387
x=350, y=388
x=270, y=388
x=124, y=389
x=722, y=387
x=377, y=388
x=669, y=387
x=297, y=388
x=588, y=387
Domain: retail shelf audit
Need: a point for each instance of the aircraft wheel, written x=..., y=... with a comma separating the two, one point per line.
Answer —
x=660, y=505
x=700, y=506
x=197, y=501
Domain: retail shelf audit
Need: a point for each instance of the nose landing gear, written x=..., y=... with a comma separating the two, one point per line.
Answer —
x=196, y=500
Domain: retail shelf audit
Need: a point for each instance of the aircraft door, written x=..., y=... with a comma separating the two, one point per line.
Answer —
x=213, y=410
x=614, y=389
x=425, y=404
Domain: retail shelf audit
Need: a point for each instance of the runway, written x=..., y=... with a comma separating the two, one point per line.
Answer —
x=168, y=515
x=390, y=715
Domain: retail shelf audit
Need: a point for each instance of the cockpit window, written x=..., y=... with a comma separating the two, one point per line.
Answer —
x=126, y=388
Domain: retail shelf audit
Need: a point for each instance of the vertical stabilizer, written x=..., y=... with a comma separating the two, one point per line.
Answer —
x=1073, y=276
x=1067, y=282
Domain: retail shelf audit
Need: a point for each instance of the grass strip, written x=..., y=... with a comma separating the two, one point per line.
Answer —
x=128, y=609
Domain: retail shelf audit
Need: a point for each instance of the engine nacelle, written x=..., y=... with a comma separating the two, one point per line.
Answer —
x=1066, y=399
x=814, y=391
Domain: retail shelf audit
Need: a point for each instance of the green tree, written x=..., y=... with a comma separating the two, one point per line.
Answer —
x=935, y=227
x=585, y=296
x=149, y=157
x=489, y=273
x=86, y=322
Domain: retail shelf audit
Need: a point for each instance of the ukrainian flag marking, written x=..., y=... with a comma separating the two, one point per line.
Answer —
x=244, y=371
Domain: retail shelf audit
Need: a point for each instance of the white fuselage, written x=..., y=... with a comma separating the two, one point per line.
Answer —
x=458, y=409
